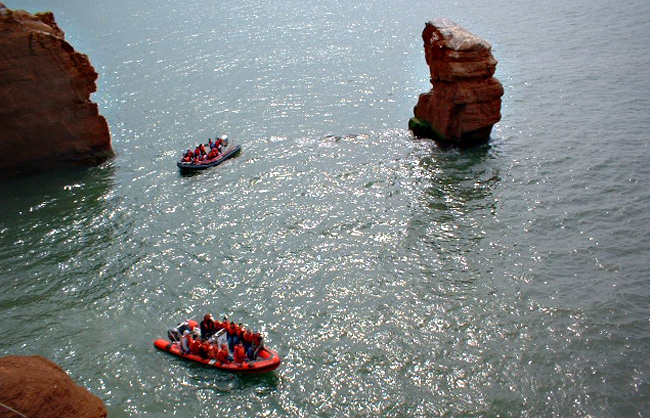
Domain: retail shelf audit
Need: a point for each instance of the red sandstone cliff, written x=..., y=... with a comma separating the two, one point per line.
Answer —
x=465, y=101
x=36, y=387
x=46, y=117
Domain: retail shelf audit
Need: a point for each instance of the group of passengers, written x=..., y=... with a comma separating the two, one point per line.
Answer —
x=242, y=344
x=200, y=155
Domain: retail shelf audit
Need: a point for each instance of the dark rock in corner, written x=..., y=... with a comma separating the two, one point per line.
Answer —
x=46, y=117
x=465, y=101
x=36, y=387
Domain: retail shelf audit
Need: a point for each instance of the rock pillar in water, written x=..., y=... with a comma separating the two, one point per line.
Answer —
x=46, y=117
x=465, y=101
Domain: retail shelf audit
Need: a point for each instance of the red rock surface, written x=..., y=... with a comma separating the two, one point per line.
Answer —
x=46, y=117
x=465, y=101
x=36, y=387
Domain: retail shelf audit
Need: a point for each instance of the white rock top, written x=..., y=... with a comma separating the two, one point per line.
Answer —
x=458, y=38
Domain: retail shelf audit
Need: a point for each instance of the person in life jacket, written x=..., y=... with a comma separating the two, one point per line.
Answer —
x=195, y=346
x=240, y=333
x=258, y=344
x=218, y=143
x=232, y=335
x=249, y=345
x=257, y=339
x=239, y=353
x=219, y=324
x=213, y=153
x=208, y=326
x=204, y=349
x=247, y=339
x=187, y=157
x=213, y=350
x=222, y=354
x=186, y=341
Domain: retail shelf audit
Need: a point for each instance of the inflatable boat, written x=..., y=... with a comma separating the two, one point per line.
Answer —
x=265, y=361
x=230, y=151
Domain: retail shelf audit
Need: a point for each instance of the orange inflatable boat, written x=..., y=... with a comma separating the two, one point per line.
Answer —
x=265, y=361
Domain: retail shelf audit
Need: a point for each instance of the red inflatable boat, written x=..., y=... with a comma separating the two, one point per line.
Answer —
x=266, y=360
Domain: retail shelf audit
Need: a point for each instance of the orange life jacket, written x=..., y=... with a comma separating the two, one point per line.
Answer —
x=222, y=355
x=209, y=326
x=195, y=347
x=213, y=351
x=239, y=355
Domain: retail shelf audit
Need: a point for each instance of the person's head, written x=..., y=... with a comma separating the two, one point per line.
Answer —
x=207, y=317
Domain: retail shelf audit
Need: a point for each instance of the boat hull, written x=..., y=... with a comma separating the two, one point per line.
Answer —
x=267, y=359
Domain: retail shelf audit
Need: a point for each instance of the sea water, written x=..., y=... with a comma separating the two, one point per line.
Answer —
x=394, y=277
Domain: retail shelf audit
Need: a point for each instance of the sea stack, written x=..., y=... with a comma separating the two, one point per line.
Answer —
x=46, y=117
x=33, y=386
x=465, y=101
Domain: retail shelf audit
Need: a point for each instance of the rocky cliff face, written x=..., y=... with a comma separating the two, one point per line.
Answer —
x=46, y=117
x=35, y=387
x=465, y=101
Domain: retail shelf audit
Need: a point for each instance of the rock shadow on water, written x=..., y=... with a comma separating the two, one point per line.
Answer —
x=53, y=228
x=456, y=200
x=63, y=189
x=462, y=175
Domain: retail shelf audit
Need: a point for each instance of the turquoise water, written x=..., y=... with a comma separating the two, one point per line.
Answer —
x=395, y=278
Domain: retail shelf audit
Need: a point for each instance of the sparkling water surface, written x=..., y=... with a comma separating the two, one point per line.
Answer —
x=394, y=277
